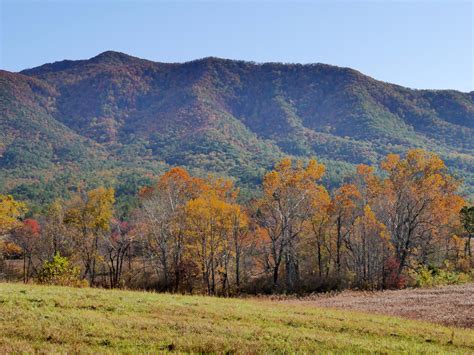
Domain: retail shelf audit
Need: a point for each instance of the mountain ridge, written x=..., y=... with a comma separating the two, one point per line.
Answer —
x=228, y=117
x=127, y=57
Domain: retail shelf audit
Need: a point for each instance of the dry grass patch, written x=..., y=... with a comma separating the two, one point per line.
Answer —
x=448, y=305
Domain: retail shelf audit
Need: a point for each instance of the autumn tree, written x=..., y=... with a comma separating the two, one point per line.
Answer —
x=369, y=248
x=10, y=213
x=239, y=222
x=215, y=227
x=241, y=238
x=162, y=222
x=115, y=247
x=89, y=214
x=417, y=202
x=27, y=236
x=320, y=230
x=55, y=237
x=284, y=210
x=344, y=211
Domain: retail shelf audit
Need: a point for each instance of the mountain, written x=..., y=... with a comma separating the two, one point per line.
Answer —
x=115, y=117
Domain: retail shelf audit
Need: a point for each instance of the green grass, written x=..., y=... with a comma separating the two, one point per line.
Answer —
x=60, y=319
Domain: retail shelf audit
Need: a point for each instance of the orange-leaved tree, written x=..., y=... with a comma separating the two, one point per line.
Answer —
x=418, y=203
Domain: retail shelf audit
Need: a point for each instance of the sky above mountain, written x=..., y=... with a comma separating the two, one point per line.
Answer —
x=424, y=44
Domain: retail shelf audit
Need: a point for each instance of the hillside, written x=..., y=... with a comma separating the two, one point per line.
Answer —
x=117, y=115
x=61, y=319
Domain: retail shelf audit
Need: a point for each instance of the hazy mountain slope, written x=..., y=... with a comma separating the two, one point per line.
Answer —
x=230, y=117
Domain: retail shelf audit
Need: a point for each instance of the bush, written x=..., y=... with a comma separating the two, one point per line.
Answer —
x=59, y=271
x=426, y=276
x=392, y=279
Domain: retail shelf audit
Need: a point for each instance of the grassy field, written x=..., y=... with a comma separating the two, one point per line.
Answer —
x=41, y=318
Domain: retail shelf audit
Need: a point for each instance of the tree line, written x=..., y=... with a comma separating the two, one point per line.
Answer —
x=190, y=234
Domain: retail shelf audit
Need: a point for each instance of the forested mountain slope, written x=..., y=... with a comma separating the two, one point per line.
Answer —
x=119, y=116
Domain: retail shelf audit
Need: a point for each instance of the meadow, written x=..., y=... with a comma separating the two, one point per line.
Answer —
x=37, y=318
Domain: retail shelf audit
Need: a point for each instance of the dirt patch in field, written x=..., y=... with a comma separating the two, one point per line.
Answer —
x=447, y=305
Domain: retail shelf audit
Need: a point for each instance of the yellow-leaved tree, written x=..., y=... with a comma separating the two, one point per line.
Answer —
x=10, y=213
x=284, y=210
x=418, y=203
x=215, y=227
x=161, y=222
x=344, y=210
x=89, y=215
x=369, y=248
x=320, y=232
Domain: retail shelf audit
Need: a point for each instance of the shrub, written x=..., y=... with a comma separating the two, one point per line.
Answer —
x=59, y=271
x=392, y=279
x=426, y=276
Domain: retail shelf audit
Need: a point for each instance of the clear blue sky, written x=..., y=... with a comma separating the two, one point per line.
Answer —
x=420, y=44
